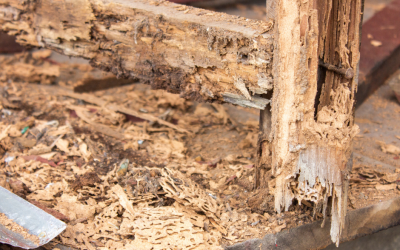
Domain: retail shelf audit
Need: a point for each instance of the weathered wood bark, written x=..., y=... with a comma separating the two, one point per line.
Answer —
x=198, y=53
x=308, y=145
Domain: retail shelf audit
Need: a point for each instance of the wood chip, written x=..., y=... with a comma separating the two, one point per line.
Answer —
x=123, y=199
x=3, y=133
x=389, y=148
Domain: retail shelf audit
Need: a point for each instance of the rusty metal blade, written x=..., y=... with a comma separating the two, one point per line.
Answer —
x=36, y=221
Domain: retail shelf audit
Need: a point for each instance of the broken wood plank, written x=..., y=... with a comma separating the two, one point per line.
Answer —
x=308, y=142
x=202, y=55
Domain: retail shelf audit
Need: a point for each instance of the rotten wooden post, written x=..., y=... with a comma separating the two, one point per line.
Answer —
x=306, y=136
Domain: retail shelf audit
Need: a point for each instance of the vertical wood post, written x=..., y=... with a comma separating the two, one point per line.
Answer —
x=306, y=137
x=264, y=157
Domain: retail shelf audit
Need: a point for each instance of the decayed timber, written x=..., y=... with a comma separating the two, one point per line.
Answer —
x=200, y=54
x=308, y=143
x=306, y=53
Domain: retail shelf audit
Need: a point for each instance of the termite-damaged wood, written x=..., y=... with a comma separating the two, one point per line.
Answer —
x=309, y=60
x=197, y=53
x=308, y=143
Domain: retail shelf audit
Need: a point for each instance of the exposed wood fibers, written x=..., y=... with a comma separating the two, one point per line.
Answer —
x=201, y=54
x=308, y=149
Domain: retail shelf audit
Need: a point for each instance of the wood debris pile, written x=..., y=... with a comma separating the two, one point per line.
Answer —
x=137, y=168
x=371, y=184
x=125, y=167
x=30, y=67
x=370, y=177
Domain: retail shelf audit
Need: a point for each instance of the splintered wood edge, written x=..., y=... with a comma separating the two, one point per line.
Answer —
x=200, y=54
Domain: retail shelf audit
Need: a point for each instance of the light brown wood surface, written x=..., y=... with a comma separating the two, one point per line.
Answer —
x=200, y=54
x=307, y=144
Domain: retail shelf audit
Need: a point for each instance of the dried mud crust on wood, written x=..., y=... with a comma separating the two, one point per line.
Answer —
x=200, y=54
x=11, y=225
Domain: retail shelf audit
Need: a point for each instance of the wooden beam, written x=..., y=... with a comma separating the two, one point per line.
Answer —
x=200, y=54
x=307, y=142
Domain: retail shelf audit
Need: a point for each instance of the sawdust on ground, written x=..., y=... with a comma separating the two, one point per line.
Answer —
x=175, y=174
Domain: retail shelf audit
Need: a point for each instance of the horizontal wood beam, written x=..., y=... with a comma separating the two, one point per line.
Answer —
x=200, y=54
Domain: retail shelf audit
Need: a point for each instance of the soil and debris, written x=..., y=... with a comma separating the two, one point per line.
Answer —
x=131, y=167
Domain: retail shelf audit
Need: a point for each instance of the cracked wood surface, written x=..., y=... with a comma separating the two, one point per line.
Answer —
x=200, y=54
